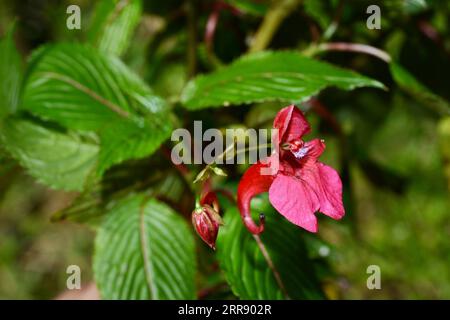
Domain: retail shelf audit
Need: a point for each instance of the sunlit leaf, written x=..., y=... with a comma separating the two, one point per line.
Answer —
x=82, y=89
x=113, y=24
x=269, y=76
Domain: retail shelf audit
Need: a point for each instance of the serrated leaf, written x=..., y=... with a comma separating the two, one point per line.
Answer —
x=269, y=76
x=82, y=89
x=246, y=269
x=61, y=160
x=10, y=74
x=134, y=176
x=125, y=140
x=113, y=24
x=143, y=250
x=412, y=86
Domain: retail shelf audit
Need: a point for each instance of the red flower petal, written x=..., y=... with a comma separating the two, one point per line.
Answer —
x=251, y=184
x=205, y=225
x=315, y=148
x=291, y=123
x=310, y=151
x=209, y=198
x=327, y=185
x=295, y=200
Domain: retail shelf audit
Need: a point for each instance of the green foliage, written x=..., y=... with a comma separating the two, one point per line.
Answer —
x=269, y=76
x=412, y=86
x=113, y=25
x=81, y=89
x=144, y=250
x=10, y=74
x=248, y=272
x=257, y=8
x=76, y=118
x=57, y=158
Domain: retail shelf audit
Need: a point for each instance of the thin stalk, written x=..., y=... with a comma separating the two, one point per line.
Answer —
x=192, y=38
x=272, y=21
x=271, y=265
x=350, y=47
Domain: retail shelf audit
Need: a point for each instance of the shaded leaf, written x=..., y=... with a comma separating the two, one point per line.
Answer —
x=144, y=250
x=247, y=271
x=411, y=85
x=10, y=74
x=257, y=8
x=269, y=76
x=61, y=160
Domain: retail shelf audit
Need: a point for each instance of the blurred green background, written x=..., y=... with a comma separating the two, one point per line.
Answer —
x=399, y=169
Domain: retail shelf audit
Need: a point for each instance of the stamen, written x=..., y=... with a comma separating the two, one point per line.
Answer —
x=301, y=152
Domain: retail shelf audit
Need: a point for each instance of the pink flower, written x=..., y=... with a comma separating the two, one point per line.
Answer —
x=301, y=185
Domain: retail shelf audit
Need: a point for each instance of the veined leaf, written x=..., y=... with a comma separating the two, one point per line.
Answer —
x=89, y=206
x=10, y=74
x=82, y=89
x=58, y=159
x=412, y=86
x=248, y=272
x=125, y=140
x=144, y=250
x=113, y=24
x=269, y=76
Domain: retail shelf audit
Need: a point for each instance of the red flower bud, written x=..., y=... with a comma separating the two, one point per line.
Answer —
x=206, y=222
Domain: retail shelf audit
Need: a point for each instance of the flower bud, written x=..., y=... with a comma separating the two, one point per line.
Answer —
x=206, y=222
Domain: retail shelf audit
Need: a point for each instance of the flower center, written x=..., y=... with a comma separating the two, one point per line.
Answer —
x=298, y=149
x=301, y=152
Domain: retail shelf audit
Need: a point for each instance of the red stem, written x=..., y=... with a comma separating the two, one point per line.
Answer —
x=355, y=47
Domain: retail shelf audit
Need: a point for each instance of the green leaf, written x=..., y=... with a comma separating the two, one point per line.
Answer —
x=269, y=76
x=124, y=140
x=248, y=272
x=320, y=11
x=113, y=24
x=90, y=205
x=10, y=74
x=143, y=250
x=82, y=89
x=59, y=159
x=417, y=90
x=257, y=8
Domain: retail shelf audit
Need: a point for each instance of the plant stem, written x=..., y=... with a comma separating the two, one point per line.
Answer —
x=269, y=261
x=192, y=38
x=272, y=21
x=351, y=47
